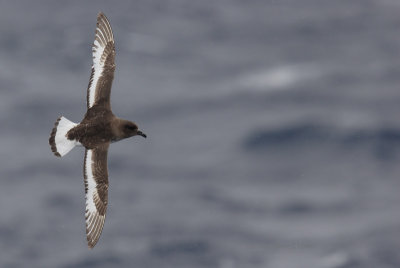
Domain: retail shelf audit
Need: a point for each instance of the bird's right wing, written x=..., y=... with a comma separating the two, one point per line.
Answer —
x=103, y=67
x=96, y=192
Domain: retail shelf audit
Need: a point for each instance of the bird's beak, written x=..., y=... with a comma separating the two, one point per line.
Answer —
x=140, y=133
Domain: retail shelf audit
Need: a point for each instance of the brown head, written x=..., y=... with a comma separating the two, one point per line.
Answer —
x=126, y=129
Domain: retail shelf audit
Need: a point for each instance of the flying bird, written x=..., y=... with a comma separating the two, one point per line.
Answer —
x=96, y=131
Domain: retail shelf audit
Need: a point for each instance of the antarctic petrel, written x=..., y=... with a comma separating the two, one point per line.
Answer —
x=98, y=129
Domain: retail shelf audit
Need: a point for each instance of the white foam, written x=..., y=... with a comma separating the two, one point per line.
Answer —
x=279, y=77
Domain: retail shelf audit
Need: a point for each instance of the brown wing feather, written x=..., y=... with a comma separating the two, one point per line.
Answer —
x=96, y=191
x=102, y=74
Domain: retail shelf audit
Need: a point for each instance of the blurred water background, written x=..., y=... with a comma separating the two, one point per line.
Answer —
x=273, y=134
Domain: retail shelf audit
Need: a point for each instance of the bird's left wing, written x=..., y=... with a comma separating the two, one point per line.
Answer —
x=102, y=75
x=96, y=191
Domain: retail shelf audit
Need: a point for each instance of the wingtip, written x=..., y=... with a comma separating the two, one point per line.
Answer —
x=101, y=16
x=106, y=28
x=92, y=243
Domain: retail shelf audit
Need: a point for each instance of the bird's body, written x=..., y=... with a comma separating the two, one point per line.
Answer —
x=96, y=131
x=98, y=126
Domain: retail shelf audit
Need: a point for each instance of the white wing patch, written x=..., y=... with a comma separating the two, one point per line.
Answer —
x=103, y=36
x=94, y=221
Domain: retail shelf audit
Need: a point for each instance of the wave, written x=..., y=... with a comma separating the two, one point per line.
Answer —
x=382, y=139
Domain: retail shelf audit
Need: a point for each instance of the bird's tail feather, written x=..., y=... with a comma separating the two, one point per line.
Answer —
x=60, y=144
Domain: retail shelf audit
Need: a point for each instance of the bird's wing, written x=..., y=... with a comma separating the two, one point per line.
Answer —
x=96, y=191
x=103, y=67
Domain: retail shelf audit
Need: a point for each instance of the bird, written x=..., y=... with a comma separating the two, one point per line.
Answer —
x=98, y=129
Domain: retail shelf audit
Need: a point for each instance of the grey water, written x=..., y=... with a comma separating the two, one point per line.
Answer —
x=273, y=134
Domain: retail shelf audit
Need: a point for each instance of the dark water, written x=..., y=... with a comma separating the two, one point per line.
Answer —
x=273, y=134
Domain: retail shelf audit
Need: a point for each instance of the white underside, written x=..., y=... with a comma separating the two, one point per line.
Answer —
x=98, y=70
x=90, y=206
x=63, y=144
x=94, y=221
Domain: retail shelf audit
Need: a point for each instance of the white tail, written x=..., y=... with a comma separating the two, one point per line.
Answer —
x=60, y=144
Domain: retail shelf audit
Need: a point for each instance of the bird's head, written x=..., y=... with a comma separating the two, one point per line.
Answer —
x=130, y=129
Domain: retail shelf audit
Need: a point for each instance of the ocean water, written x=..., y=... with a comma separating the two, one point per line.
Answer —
x=273, y=134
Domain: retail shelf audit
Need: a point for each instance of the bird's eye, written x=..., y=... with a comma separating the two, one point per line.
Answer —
x=130, y=127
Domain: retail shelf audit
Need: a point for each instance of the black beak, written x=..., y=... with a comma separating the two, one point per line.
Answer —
x=140, y=133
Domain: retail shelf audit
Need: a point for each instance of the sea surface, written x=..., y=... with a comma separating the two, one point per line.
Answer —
x=273, y=134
